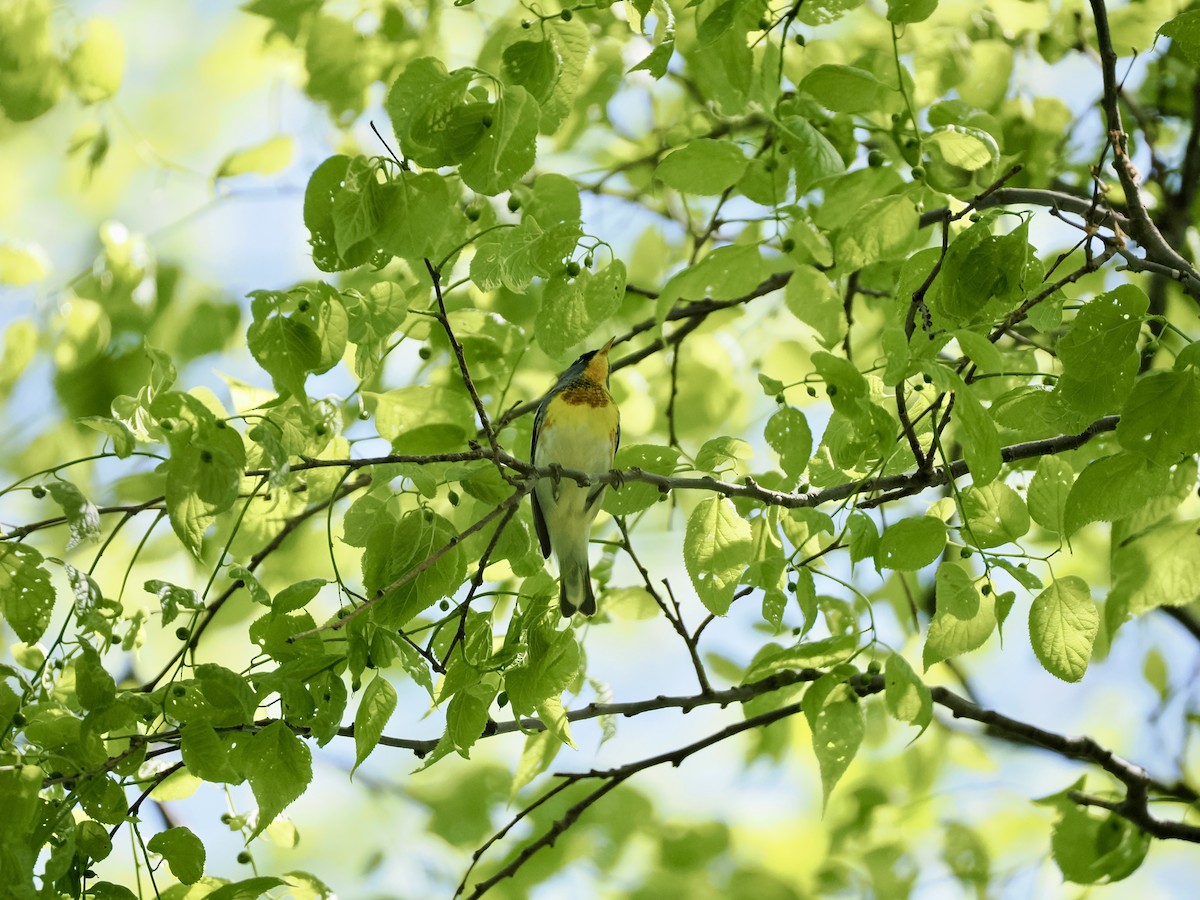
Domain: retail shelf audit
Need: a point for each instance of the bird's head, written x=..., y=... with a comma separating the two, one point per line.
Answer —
x=592, y=365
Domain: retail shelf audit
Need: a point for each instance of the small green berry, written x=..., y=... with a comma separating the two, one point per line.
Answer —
x=502, y=699
x=875, y=159
x=18, y=719
x=320, y=431
x=166, y=425
x=38, y=492
x=779, y=398
x=811, y=391
x=182, y=633
x=221, y=423
x=178, y=691
x=244, y=857
x=453, y=498
x=526, y=24
x=303, y=307
x=873, y=667
x=799, y=39
x=472, y=214
x=788, y=245
x=444, y=605
x=792, y=586
x=566, y=15
x=918, y=172
x=986, y=590
x=966, y=552
x=589, y=261
x=918, y=387
x=831, y=390
x=514, y=203
x=764, y=25
x=928, y=379
x=226, y=818
x=572, y=269
x=425, y=353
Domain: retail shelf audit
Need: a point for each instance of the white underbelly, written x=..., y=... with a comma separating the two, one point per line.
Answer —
x=573, y=447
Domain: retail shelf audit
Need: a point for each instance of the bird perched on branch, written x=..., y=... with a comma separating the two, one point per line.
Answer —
x=577, y=427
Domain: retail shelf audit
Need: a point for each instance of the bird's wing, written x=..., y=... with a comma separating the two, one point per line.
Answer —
x=539, y=520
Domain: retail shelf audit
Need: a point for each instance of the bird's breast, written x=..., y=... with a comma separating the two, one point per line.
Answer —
x=577, y=435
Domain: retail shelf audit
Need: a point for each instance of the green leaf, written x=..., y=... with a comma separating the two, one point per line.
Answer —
x=716, y=550
x=1048, y=491
x=902, y=12
x=376, y=708
x=1111, y=488
x=1161, y=418
x=716, y=23
x=970, y=149
x=979, y=436
x=1160, y=567
x=1184, y=32
x=296, y=596
x=206, y=755
x=772, y=660
x=1063, y=623
x=813, y=300
x=414, y=211
x=812, y=155
x=992, y=515
x=824, y=12
x=266, y=158
x=1090, y=849
x=572, y=308
x=552, y=663
x=400, y=412
x=183, y=851
x=320, y=196
x=97, y=63
x=205, y=469
x=507, y=148
x=249, y=889
x=467, y=716
x=906, y=695
x=788, y=434
x=635, y=496
x=397, y=546
x=720, y=453
x=26, y=595
x=864, y=536
x=356, y=207
x=279, y=767
x=882, y=229
x=83, y=519
x=837, y=733
x=704, y=166
x=1104, y=332
x=911, y=544
x=539, y=753
x=845, y=89
x=964, y=620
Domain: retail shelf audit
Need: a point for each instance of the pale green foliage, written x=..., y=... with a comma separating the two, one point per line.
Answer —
x=877, y=294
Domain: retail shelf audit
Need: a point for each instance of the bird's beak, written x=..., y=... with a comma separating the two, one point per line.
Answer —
x=608, y=346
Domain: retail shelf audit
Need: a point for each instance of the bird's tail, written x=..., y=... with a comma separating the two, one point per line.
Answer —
x=575, y=584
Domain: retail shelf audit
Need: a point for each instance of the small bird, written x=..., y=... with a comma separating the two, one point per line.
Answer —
x=578, y=427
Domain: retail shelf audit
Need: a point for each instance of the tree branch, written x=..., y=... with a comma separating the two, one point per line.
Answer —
x=1141, y=226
